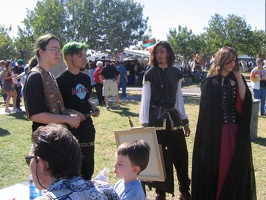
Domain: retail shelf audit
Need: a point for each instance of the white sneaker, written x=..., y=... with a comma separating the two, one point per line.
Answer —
x=14, y=111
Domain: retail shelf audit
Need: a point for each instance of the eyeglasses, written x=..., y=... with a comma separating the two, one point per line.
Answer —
x=28, y=159
x=258, y=62
x=58, y=51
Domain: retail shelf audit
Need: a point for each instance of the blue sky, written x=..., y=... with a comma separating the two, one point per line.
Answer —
x=164, y=14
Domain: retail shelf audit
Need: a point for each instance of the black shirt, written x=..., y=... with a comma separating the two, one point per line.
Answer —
x=109, y=72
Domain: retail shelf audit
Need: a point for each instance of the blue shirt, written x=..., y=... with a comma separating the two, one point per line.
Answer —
x=123, y=72
x=131, y=190
x=78, y=189
x=90, y=74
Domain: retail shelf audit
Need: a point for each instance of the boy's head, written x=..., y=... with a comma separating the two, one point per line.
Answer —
x=137, y=152
x=74, y=53
x=72, y=48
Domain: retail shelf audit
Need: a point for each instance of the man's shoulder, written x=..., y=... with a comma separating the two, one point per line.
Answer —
x=34, y=75
x=61, y=75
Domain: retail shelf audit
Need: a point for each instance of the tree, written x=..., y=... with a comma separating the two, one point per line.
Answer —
x=231, y=31
x=7, y=49
x=259, y=44
x=183, y=42
x=102, y=24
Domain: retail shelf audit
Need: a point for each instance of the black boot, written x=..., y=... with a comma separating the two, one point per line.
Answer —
x=160, y=195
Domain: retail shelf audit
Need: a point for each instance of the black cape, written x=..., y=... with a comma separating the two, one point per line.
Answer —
x=240, y=180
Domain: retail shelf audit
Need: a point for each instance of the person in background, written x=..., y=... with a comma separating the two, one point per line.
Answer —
x=2, y=67
x=123, y=78
x=19, y=70
x=42, y=98
x=9, y=88
x=91, y=71
x=131, y=158
x=140, y=73
x=222, y=167
x=23, y=77
x=110, y=78
x=99, y=84
x=162, y=106
x=55, y=161
x=258, y=84
x=74, y=87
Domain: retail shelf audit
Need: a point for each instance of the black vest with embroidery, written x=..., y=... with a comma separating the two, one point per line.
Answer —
x=230, y=115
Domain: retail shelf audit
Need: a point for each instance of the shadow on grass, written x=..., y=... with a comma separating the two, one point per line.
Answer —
x=191, y=99
x=260, y=141
x=4, y=132
x=19, y=115
x=192, y=84
x=123, y=111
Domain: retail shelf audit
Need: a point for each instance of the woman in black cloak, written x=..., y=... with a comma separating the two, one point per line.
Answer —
x=222, y=167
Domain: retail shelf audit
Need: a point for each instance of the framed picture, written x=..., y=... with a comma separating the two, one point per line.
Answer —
x=155, y=168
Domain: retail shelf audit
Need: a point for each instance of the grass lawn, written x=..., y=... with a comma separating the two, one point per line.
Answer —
x=15, y=132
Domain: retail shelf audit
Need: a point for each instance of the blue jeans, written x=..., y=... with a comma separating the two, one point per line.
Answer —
x=260, y=94
x=122, y=85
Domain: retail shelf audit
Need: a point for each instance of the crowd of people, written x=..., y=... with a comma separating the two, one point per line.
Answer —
x=61, y=157
x=11, y=83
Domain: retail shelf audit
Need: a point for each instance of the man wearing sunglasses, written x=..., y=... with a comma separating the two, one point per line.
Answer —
x=55, y=163
x=258, y=84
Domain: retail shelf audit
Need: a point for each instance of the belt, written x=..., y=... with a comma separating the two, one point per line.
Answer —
x=88, y=144
x=172, y=128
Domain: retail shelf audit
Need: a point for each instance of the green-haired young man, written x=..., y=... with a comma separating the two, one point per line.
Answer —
x=74, y=87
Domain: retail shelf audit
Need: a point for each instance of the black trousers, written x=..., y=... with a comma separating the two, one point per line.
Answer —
x=18, y=90
x=99, y=92
x=175, y=143
x=87, y=165
x=175, y=154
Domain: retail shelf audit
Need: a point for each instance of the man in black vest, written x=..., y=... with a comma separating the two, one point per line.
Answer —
x=162, y=107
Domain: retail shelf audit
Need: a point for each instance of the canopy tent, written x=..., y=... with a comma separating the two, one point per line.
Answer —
x=136, y=53
x=246, y=58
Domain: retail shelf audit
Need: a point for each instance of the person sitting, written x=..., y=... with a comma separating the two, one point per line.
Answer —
x=132, y=157
x=55, y=163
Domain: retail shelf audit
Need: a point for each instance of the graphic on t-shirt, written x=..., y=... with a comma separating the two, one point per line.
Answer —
x=80, y=91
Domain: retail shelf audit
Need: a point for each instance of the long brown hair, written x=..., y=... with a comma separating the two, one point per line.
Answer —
x=222, y=58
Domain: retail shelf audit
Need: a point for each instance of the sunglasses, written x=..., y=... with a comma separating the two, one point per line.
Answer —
x=28, y=159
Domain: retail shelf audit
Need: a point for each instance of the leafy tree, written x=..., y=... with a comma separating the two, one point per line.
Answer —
x=122, y=24
x=102, y=24
x=259, y=44
x=7, y=49
x=183, y=42
x=231, y=31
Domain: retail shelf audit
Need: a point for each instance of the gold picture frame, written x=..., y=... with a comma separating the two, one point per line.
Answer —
x=155, y=169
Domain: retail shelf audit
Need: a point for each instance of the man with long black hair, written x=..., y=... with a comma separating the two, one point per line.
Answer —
x=162, y=106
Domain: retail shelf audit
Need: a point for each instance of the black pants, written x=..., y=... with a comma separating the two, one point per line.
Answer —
x=87, y=165
x=175, y=142
x=99, y=91
x=175, y=154
x=18, y=90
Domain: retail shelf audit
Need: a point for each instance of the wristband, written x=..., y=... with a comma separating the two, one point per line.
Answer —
x=185, y=122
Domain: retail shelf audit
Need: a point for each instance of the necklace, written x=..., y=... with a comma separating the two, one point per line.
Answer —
x=164, y=77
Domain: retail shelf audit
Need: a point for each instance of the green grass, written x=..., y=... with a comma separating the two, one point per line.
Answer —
x=15, y=142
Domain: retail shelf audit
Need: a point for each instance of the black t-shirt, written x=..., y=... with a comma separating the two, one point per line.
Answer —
x=109, y=72
x=34, y=97
x=74, y=90
x=18, y=70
